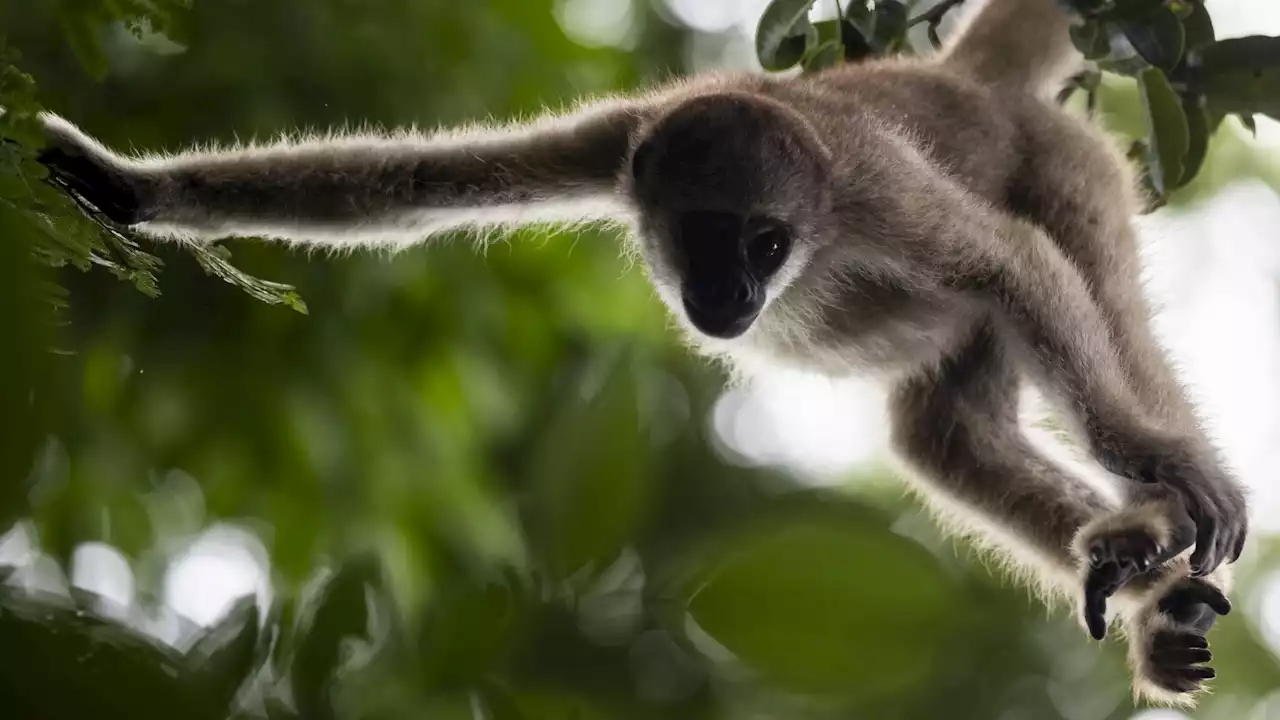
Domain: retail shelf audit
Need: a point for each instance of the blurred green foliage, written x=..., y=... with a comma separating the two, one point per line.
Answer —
x=486, y=483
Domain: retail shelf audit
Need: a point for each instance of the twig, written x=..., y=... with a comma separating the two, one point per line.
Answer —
x=934, y=15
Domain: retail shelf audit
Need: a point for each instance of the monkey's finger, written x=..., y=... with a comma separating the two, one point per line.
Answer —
x=1239, y=548
x=1204, y=559
x=1221, y=549
x=1180, y=540
x=1186, y=680
x=82, y=195
x=98, y=193
x=1213, y=597
x=1227, y=546
x=1192, y=640
x=1095, y=617
x=1097, y=587
x=71, y=181
x=1201, y=673
x=1187, y=656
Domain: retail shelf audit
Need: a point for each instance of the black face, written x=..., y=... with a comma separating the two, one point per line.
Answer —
x=727, y=262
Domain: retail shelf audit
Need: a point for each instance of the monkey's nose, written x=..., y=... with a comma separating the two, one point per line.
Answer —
x=723, y=309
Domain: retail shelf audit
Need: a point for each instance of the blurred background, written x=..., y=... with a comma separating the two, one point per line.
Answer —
x=495, y=485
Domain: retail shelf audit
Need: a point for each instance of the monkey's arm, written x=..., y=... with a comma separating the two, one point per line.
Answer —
x=1046, y=305
x=955, y=426
x=917, y=221
x=391, y=189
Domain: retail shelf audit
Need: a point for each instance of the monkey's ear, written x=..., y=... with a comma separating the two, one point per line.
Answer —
x=642, y=158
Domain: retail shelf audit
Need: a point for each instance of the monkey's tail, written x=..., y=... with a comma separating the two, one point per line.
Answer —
x=1015, y=44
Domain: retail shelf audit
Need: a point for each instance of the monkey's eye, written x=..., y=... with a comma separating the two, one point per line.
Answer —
x=767, y=248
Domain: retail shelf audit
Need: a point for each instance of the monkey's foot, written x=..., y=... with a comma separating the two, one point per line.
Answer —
x=1167, y=644
x=1124, y=545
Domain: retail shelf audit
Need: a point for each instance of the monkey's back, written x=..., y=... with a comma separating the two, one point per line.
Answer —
x=972, y=132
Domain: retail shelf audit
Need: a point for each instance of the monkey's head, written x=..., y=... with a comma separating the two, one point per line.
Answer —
x=734, y=196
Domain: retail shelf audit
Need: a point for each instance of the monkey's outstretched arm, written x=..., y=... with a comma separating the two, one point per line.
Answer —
x=392, y=189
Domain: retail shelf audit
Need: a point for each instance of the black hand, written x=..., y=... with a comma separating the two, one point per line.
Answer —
x=1116, y=559
x=110, y=190
x=1213, y=500
x=1176, y=654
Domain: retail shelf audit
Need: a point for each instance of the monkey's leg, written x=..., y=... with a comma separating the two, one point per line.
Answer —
x=955, y=426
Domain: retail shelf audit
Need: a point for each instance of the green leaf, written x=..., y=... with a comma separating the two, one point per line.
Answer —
x=340, y=610
x=792, y=600
x=589, y=476
x=856, y=45
x=215, y=259
x=891, y=25
x=223, y=658
x=83, y=32
x=1183, y=8
x=1157, y=36
x=827, y=31
x=784, y=33
x=1166, y=128
x=1124, y=58
x=1198, y=133
x=884, y=27
x=826, y=55
x=1091, y=40
x=26, y=374
x=71, y=662
x=468, y=629
x=17, y=98
x=1198, y=28
x=1241, y=75
x=1249, y=123
x=828, y=49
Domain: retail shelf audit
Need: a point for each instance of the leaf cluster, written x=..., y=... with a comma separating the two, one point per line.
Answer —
x=72, y=234
x=72, y=656
x=1188, y=80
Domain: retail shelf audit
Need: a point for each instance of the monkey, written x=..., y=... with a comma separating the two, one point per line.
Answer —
x=937, y=222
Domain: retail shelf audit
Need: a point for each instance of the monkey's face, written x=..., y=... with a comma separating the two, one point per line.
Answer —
x=732, y=194
x=725, y=262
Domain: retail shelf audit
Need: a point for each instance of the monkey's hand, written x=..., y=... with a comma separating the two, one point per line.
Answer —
x=1167, y=644
x=1119, y=547
x=93, y=176
x=1211, y=497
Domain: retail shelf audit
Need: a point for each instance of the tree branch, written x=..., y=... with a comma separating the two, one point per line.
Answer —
x=934, y=15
